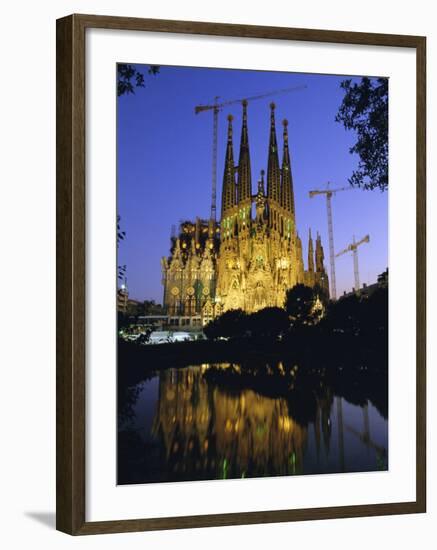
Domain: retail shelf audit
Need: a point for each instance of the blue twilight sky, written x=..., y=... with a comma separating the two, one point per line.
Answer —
x=164, y=165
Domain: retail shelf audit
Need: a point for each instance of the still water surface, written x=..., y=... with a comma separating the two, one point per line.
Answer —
x=192, y=423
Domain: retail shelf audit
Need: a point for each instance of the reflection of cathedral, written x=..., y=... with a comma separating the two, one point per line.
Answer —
x=208, y=433
x=254, y=255
x=218, y=421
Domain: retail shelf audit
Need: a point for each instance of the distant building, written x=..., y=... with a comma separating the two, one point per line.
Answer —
x=134, y=308
x=122, y=299
x=150, y=307
x=254, y=254
x=383, y=279
x=368, y=290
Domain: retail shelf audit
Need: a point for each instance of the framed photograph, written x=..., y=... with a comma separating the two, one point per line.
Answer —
x=240, y=274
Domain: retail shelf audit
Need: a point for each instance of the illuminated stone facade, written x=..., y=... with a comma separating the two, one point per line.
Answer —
x=190, y=273
x=254, y=255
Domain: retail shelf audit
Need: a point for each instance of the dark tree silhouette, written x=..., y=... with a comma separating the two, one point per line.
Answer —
x=230, y=324
x=299, y=303
x=365, y=110
x=359, y=314
x=375, y=314
x=345, y=315
x=121, y=235
x=129, y=78
x=268, y=322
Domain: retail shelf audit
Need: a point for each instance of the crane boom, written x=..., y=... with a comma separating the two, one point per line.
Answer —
x=354, y=245
x=348, y=249
x=216, y=108
x=365, y=239
x=328, y=191
x=201, y=108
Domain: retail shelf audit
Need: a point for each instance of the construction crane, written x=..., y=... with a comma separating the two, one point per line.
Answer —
x=353, y=247
x=328, y=193
x=216, y=107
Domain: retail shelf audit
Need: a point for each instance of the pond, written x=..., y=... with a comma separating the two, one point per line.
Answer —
x=215, y=421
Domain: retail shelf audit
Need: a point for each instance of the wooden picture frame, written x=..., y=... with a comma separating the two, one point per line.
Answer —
x=71, y=254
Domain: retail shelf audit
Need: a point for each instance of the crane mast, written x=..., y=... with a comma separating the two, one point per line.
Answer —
x=356, y=271
x=214, y=162
x=328, y=193
x=216, y=108
x=331, y=245
x=353, y=247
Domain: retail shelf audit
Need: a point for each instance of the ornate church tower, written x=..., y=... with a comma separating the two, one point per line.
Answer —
x=273, y=171
x=287, y=191
x=244, y=170
x=229, y=190
x=244, y=190
x=230, y=294
x=256, y=256
x=310, y=253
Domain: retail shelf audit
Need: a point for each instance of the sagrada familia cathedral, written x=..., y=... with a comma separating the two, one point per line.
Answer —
x=254, y=254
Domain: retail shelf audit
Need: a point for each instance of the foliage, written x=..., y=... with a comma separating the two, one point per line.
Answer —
x=121, y=269
x=144, y=337
x=120, y=234
x=230, y=324
x=299, y=304
x=359, y=314
x=268, y=322
x=365, y=110
x=377, y=309
x=122, y=320
x=150, y=307
x=345, y=315
x=354, y=314
x=129, y=78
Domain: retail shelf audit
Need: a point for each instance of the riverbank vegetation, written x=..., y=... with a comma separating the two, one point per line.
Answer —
x=351, y=335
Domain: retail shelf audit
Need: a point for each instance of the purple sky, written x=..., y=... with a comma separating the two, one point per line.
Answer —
x=164, y=165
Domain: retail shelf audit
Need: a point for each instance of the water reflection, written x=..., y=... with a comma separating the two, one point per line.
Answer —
x=211, y=422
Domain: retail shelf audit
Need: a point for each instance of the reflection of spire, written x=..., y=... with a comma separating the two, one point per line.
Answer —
x=273, y=172
x=366, y=430
x=340, y=434
x=326, y=427
x=317, y=432
x=364, y=436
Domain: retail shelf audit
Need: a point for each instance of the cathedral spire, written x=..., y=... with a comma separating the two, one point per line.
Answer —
x=229, y=190
x=273, y=171
x=320, y=256
x=244, y=173
x=310, y=253
x=287, y=192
